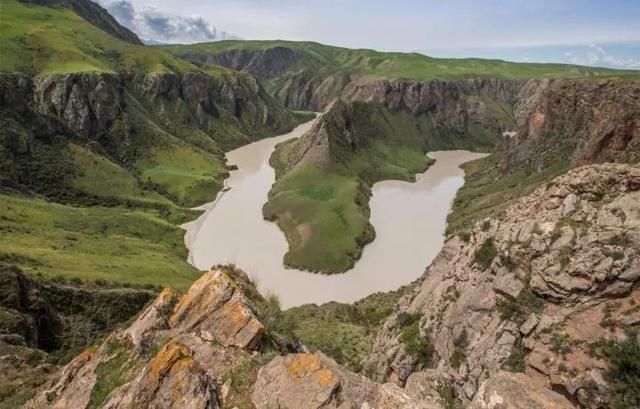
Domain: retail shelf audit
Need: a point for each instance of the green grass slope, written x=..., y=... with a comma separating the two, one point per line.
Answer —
x=93, y=243
x=324, y=59
x=40, y=39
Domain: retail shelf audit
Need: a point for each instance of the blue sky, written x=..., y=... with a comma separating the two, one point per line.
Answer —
x=591, y=32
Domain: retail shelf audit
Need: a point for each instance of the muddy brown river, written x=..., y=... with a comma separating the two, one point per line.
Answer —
x=409, y=218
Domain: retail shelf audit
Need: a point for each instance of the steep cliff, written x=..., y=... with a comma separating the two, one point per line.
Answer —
x=45, y=324
x=545, y=289
x=135, y=121
x=580, y=122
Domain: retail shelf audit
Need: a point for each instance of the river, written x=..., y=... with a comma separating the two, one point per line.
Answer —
x=409, y=218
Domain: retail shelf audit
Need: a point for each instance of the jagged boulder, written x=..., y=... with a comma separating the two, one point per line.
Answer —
x=219, y=311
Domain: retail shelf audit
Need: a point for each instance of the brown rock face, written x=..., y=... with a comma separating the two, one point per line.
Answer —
x=561, y=273
x=172, y=380
x=295, y=381
x=517, y=391
x=314, y=381
x=216, y=309
x=584, y=122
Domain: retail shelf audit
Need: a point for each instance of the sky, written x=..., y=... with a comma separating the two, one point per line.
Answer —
x=601, y=33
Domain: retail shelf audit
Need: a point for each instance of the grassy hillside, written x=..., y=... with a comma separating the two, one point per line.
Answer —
x=39, y=39
x=323, y=59
x=93, y=243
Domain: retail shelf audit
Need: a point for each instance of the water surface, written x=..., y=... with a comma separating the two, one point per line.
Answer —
x=409, y=218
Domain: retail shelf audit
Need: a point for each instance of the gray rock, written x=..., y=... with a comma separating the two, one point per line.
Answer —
x=529, y=324
x=517, y=391
x=569, y=205
x=508, y=285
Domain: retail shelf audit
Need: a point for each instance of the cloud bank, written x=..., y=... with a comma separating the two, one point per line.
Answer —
x=596, y=55
x=156, y=26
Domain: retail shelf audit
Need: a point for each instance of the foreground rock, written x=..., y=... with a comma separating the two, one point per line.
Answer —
x=173, y=356
x=315, y=381
x=535, y=291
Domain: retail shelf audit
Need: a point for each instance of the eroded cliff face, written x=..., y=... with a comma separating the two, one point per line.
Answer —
x=88, y=104
x=135, y=121
x=535, y=291
x=264, y=65
x=581, y=122
x=543, y=120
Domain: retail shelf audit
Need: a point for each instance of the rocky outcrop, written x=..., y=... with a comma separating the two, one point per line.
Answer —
x=219, y=312
x=173, y=355
x=532, y=291
x=315, y=381
x=456, y=105
x=192, y=351
x=86, y=105
x=27, y=316
x=54, y=317
x=172, y=380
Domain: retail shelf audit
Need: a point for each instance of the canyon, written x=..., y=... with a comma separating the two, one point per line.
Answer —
x=526, y=297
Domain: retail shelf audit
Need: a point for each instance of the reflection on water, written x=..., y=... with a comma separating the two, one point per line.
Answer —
x=409, y=218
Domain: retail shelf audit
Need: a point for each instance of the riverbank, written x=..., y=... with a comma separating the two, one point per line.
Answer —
x=410, y=219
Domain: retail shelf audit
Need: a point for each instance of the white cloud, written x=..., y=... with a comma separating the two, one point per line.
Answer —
x=156, y=26
x=595, y=55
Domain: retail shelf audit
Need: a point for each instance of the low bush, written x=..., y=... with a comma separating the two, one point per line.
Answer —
x=486, y=253
x=420, y=347
x=624, y=371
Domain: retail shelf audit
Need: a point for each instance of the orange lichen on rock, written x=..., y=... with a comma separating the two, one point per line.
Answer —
x=325, y=377
x=216, y=308
x=166, y=359
x=304, y=365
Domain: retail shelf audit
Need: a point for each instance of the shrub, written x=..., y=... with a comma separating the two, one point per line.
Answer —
x=517, y=310
x=561, y=344
x=516, y=360
x=621, y=239
x=459, y=351
x=447, y=394
x=486, y=253
x=624, y=371
x=414, y=344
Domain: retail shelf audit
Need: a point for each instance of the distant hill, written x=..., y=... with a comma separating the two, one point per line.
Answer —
x=271, y=59
x=94, y=14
